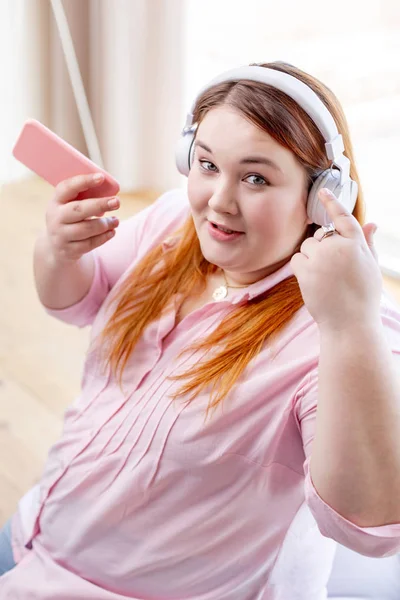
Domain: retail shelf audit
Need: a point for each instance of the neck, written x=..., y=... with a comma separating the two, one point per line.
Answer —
x=232, y=284
x=246, y=279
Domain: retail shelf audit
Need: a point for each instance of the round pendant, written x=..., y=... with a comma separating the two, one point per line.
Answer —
x=220, y=293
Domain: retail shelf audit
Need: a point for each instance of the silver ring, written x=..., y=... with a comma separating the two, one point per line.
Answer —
x=328, y=230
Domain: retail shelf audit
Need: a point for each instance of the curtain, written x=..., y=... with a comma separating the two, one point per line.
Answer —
x=130, y=58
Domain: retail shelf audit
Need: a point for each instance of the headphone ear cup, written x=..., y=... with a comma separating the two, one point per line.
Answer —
x=349, y=194
x=184, y=151
x=315, y=211
x=330, y=179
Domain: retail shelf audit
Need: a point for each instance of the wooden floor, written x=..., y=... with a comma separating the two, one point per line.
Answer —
x=40, y=358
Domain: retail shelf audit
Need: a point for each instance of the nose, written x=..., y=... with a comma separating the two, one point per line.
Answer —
x=223, y=200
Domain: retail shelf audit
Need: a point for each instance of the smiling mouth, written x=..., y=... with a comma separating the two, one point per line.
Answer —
x=224, y=229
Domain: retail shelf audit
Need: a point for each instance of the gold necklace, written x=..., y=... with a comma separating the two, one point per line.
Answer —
x=221, y=291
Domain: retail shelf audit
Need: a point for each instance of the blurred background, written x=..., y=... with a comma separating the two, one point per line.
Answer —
x=114, y=78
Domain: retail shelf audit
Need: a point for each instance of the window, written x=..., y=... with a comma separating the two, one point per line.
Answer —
x=351, y=46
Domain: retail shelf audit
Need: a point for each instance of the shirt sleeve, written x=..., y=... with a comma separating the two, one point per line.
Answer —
x=133, y=239
x=378, y=541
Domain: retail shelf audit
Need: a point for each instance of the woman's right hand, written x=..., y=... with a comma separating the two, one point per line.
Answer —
x=75, y=227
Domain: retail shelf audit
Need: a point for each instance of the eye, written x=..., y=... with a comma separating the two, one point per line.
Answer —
x=206, y=165
x=257, y=180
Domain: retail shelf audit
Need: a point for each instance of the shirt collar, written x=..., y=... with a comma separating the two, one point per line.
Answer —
x=169, y=243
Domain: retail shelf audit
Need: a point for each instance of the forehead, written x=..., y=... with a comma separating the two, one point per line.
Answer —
x=225, y=130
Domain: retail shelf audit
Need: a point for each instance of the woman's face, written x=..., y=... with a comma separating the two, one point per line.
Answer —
x=243, y=181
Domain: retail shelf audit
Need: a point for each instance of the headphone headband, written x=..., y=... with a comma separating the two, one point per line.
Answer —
x=301, y=93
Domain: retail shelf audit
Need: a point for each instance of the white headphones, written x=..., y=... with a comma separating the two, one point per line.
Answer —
x=337, y=178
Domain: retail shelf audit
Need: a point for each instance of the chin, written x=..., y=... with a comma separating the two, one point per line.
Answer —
x=214, y=258
x=225, y=263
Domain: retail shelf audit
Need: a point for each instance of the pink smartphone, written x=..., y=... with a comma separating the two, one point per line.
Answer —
x=49, y=156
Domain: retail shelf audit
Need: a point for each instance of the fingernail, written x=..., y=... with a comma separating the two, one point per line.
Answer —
x=98, y=177
x=112, y=220
x=327, y=193
x=113, y=203
x=375, y=230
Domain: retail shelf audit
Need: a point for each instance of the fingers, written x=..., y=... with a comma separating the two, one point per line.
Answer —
x=321, y=234
x=89, y=228
x=72, y=240
x=70, y=188
x=369, y=231
x=345, y=223
x=309, y=247
x=79, y=210
x=75, y=226
x=298, y=263
x=74, y=250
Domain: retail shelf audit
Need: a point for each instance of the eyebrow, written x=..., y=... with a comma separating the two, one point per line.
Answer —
x=261, y=160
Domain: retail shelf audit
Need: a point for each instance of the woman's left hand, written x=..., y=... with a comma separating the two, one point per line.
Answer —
x=339, y=276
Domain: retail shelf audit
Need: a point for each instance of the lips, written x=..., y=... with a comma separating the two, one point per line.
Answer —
x=224, y=228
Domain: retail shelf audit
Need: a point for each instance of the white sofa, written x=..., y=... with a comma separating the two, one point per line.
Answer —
x=308, y=560
x=356, y=577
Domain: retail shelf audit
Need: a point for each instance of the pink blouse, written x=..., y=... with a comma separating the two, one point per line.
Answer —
x=142, y=499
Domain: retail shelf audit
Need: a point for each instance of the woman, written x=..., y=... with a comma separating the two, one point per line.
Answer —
x=219, y=318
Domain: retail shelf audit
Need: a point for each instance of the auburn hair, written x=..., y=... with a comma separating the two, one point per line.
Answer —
x=183, y=269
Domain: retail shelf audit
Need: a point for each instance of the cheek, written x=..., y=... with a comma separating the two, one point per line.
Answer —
x=261, y=218
x=197, y=197
x=275, y=217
